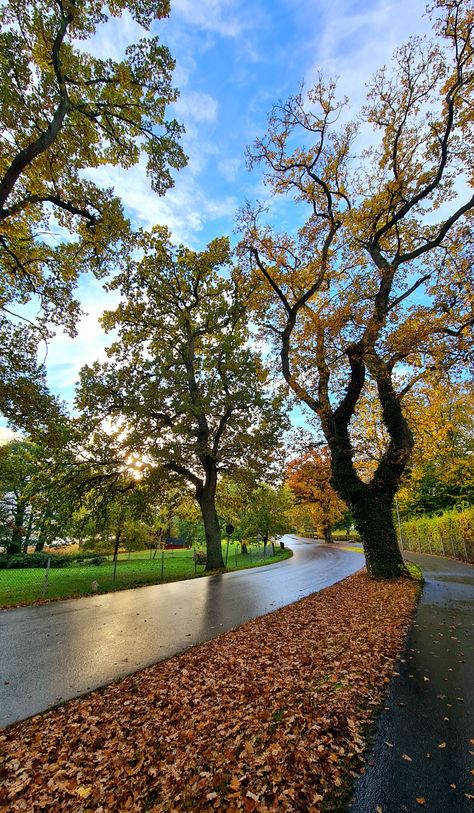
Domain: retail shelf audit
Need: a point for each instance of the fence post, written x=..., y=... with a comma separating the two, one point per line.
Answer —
x=162, y=562
x=452, y=545
x=194, y=557
x=46, y=576
x=236, y=546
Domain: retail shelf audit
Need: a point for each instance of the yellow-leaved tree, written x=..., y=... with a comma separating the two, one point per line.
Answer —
x=376, y=286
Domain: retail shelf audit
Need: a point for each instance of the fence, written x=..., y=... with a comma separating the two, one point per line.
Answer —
x=450, y=534
x=29, y=584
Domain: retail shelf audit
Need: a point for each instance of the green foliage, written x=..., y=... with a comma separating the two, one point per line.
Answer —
x=267, y=512
x=184, y=389
x=450, y=534
x=64, y=113
x=442, y=472
x=63, y=110
x=35, y=560
x=19, y=461
x=415, y=572
x=137, y=535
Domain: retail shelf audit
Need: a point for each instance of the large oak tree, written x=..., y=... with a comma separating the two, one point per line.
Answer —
x=376, y=286
x=182, y=383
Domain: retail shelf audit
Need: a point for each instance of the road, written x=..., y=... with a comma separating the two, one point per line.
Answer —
x=423, y=746
x=57, y=651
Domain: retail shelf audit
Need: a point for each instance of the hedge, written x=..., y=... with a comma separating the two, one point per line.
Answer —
x=14, y=561
x=449, y=534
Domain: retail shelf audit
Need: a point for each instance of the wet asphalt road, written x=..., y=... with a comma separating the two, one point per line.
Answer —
x=429, y=714
x=60, y=650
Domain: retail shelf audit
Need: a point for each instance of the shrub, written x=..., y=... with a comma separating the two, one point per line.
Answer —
x=19, y=560
x=200, y=557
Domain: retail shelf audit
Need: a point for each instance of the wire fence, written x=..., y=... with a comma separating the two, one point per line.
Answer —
x=104, y=574
x=452, y=548
x=449, y=534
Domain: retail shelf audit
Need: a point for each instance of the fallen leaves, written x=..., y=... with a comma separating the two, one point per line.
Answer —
x=267, y=716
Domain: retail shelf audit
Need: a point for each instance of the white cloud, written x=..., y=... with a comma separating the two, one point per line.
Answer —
x=229, y=168
x=6, y=435
x=217, y=16
x=185, y=209
x=353, y=44
x=196, y=106
x=112, y=37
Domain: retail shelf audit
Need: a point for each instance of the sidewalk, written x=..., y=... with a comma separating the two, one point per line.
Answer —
x=423, y=749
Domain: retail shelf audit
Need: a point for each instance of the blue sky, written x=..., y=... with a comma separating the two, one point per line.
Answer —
x=233, y=60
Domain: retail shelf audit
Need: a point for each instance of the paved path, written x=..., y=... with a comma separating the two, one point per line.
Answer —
x=429, y=714
x=57, y=651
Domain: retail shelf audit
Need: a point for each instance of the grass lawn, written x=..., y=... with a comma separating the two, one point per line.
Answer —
x=270, y=716
x=27, y=585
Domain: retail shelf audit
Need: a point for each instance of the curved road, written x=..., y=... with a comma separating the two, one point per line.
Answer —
x=57, y=651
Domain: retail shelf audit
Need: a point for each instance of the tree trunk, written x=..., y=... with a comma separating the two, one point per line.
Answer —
x=327, y=531
x=29, y=529
x=206, y=497
x=16, y=542
x=43, y=532
x=373, y=517
x=371, y=504
x=118, y=536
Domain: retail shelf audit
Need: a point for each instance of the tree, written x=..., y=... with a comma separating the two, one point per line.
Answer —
x=376, y=286
x=182, y=385
x=63, y=113
x=441, y=473
x=267, y=512
x=309, y=479
x=30, y=512
x=17, y=464
x=24, y=395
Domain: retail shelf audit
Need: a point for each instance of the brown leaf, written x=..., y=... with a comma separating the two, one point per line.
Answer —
x=222, y=724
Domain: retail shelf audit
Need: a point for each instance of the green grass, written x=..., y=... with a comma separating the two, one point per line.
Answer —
x=27, y=585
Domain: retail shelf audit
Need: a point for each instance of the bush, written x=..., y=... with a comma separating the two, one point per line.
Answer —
x=15, y=561
x=342, y=537
x=200, y=557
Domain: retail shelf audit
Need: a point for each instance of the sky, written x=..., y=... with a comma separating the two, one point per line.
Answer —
x=234, y=59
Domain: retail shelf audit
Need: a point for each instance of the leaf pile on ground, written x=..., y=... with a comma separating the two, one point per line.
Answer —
x=266, y=717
